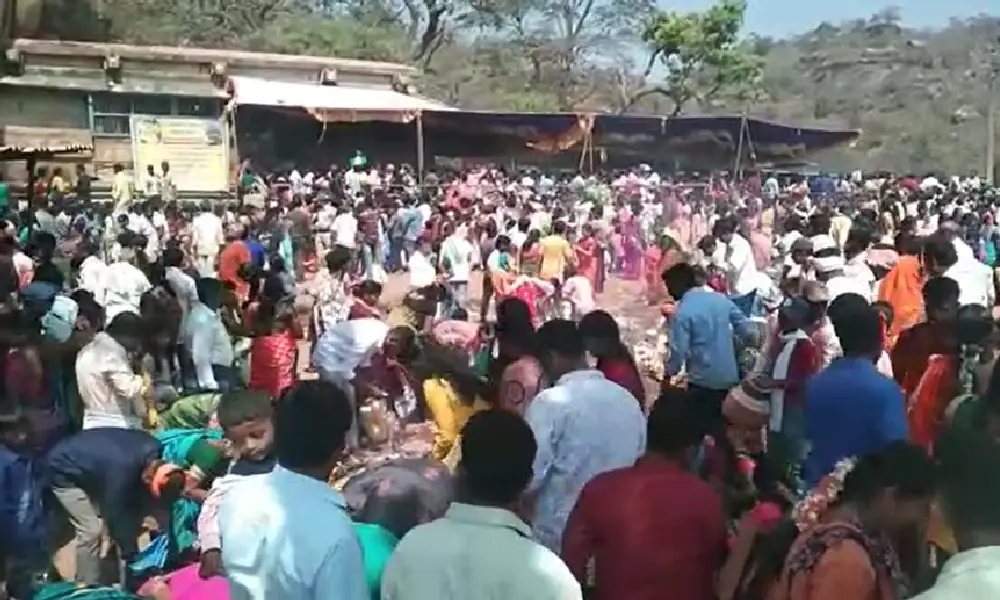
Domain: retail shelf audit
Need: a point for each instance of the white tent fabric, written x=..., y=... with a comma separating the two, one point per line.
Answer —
x=331, y=102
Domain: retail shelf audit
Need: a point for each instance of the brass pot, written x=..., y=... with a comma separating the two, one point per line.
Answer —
x=375, y=420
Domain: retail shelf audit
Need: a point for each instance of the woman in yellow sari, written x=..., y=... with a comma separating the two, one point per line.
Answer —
x=452, y=393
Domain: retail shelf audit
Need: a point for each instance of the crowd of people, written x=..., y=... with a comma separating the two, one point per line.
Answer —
x=217, y=401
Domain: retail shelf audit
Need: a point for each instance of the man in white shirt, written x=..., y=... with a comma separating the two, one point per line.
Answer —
x=735, y=257
x=91, y=275
x=180, y=282
x=456, y=263
x=422, y=272
x=124, y=285
x=975, y=279
x=207, y=237
x=436, y=560
x=325, y=217
x=345, y=228
x=112, y=393
x=287, y=534
x=584, y=425
x=207, y=341
x=140, y=224
x=150, y=183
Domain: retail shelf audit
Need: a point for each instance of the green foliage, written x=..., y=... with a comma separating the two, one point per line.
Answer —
x=920, y=97
x=702, y=56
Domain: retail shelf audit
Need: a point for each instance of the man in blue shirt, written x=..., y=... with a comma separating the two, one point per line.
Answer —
x=850, y=408
x=701, y=339
x=109, y=473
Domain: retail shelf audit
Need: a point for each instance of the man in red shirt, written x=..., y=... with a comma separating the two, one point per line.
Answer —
x=650, y=531
x=233, y=256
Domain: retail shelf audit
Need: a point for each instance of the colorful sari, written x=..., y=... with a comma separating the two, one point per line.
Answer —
x=825, y=563
x=902, y=289
x=631, y=248
x=915, y=346
x=927, y=405
x=272, y=362
x=587, y=251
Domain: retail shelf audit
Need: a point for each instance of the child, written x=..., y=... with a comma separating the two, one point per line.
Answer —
x=274, y=347
x=245, y=418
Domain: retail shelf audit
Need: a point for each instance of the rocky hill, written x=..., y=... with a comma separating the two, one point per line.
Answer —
x=920, y=96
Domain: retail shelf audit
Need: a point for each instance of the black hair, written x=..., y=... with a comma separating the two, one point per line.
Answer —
x=907, y=244
x=724, y=226
x=562, y=338
x=679, y=278
x=939, y=291
x=208, y=288
x=819, y=224
x=173, y=256
x=451, y=364
x=498, y=453
x=126, y=324
x=902, y=466
x=884, y=309
x=338, y=258
x=368, y=287
x=845, y=305
x=940, y=251
x=310, y=423
x=674, y=423
x=859, y=331
x=240, y=406
x=973, y=325
x=599, y=324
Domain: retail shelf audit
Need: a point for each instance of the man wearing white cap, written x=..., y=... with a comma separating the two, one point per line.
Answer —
x=830, y=270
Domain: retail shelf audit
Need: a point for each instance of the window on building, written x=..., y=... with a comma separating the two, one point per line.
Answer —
x=110, y=112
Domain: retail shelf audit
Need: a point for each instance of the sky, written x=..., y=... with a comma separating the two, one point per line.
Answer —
x=786, y=17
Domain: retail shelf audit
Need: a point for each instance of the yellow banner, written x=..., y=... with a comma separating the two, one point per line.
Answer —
x=196, y=148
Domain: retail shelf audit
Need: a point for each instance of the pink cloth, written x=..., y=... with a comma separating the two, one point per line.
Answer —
x=463, y=334
x=186, y=584
x=760, y=245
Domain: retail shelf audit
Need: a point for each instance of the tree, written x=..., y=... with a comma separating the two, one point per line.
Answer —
x=426, y=24
x=563, y=42
x=702, y=57
x=213, y=23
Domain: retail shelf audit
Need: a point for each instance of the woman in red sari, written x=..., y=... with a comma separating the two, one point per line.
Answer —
x=657, y=259
x=911, y=355
x=589, y=258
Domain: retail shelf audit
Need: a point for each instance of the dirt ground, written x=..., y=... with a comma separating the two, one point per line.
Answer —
x=623, y=299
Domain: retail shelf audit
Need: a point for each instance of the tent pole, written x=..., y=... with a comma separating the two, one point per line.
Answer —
x=420, y=147
x=738, y=162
